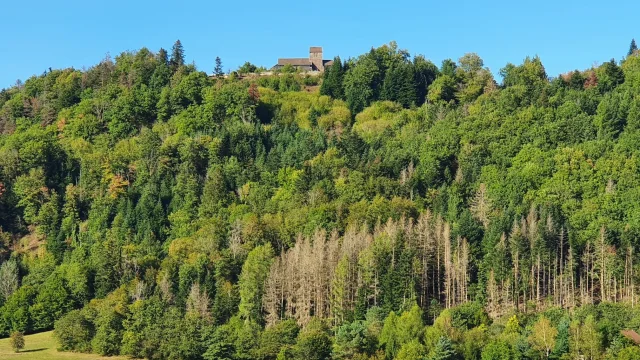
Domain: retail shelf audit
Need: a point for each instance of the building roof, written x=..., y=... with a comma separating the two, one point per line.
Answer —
x=295, y=62
x=631, y=335
x=315, y=49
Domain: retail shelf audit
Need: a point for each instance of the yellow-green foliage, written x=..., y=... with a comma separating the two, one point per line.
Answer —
x=338, y=116
x=306, y=109
x=375, y=119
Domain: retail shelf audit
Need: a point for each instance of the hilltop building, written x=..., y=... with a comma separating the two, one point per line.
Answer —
x=313, y=63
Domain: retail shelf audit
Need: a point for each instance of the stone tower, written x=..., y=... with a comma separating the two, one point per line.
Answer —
x=315, y=56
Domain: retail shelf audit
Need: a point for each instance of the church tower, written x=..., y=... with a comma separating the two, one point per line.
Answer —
x=315, y=56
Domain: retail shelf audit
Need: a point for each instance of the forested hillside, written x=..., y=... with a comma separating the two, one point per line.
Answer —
x=390, y=209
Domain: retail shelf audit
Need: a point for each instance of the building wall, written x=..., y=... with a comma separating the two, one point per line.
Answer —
x=301, y=68
x=315, y=55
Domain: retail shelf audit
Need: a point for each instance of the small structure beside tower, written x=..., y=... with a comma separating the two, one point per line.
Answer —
x=315, y=62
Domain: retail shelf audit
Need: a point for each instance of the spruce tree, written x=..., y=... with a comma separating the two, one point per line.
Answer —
x=163, y=56
x=177, y=56
x=443, y=350
x=332, y=83
x=399, y=85
x=632, y=48
x=218, y=69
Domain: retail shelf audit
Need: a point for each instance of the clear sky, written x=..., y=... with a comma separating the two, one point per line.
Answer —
x=566, y=34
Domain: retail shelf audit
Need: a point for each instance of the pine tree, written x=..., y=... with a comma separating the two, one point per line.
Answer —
x=177, y=56
x=632, y=48
x=218, y=72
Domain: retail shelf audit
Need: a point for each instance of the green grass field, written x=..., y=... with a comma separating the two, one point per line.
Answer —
x=42, y=346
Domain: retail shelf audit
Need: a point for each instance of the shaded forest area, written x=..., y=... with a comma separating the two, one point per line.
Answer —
x=403, y=211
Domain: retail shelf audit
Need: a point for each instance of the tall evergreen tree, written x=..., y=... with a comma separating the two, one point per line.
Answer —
x=332, y=84
x=399, y=85
x=443, y=350
x=163, y=56
x=448, y=67
x=218, y=69
x=251, y=282
x=632, y=48
x=177, y=56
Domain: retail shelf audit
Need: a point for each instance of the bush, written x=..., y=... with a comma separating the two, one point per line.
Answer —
x=274, y=338
x=17, y=341
x=629, y=353
x=469, y=315
x=74, y=332
x=314, y=342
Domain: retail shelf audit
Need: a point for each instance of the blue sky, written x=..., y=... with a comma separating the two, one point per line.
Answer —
x=565, y=34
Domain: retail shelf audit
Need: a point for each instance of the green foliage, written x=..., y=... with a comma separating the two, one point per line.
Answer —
x=389, y=336
x=313, y=342
x=74, y=332
x=333, y=79
x=107, y=337
x=469, y=315
x=279, y=336
x=412, y=350
x=443, y=350
x=177, y=56
x=15, y=311
x=442, y=90
x=247, y=68
x=52, y=302
x=183, y=213
x=497, y=350
x=218, y=71
x=252, y=278
x=628, y=353
x=352, y=339
x=399, y=84
x=409, y=325
x=632, y=47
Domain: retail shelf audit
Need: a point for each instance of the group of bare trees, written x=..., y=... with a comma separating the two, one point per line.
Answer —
x=326, y=275
x=318, y=276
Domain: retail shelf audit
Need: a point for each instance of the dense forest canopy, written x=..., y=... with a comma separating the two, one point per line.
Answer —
x=390, y=209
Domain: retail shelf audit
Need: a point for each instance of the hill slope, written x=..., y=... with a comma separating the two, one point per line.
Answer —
x=403, y=210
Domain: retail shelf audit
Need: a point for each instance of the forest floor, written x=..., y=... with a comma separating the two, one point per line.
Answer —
x=43, y=346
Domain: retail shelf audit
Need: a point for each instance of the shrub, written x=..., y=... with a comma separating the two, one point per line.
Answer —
x=74, y=332
x=17, y=341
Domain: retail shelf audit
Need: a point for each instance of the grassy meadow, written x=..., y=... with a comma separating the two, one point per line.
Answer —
x=43, y=346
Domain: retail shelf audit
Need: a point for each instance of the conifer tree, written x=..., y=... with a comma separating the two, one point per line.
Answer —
x=332, y=84
x=252, y=280
x=443, y=350
x=399, y=85
x=218, y=72
x=632, y=48
x=177, y=56
x=163, y=56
